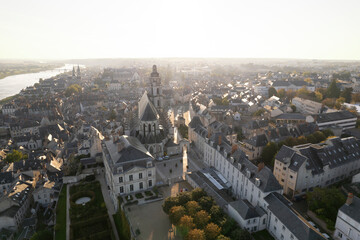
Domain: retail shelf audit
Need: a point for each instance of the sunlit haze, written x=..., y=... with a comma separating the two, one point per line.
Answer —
x=237, y=29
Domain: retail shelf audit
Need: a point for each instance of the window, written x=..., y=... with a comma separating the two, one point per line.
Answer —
x=274, y=228
x=283, y=228
x=141, y=185
x=121, y=189
x=276, y=220
x=131, y=188
x=120, y=179
x=130, y=177
x=291, y=236
x=291, y=176
x=282, y=236
x=264, y=220
x=140, y=175
x=150, y=183
x=149, y=173
x=340, y=235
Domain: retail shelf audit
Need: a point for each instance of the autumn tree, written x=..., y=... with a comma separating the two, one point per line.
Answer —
x=192, y=207
x=206, y=203
x=196, y=234
x=176, y=213
x=186, y=223
x=268, y=153
x=241, y=234
x=346, y=94
x=216, y=214
x=281, y=93
x=169, y=203
x=212, y=231
x=15, y=156
x=197, y=193
x=201, y=218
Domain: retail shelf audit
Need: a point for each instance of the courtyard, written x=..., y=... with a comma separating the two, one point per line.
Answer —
x=150, y=219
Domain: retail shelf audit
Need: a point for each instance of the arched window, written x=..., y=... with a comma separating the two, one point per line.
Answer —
x=144, y=128
x=149, y=127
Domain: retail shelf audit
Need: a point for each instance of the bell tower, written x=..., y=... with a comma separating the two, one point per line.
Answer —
x=155, y=93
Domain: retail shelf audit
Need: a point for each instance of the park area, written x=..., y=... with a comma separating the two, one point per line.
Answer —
x=60, y=227
x=88, y=214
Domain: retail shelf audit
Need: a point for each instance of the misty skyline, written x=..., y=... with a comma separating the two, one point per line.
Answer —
x=220, y=29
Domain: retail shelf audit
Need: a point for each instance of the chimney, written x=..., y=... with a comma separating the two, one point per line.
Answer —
x=349, y=199
x=220, y=140
x=261, y=165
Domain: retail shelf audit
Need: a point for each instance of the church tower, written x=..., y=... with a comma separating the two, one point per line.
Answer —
x=78, y=75
x=155, y=93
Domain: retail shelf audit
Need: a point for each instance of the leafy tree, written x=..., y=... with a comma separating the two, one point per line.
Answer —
x=206, y=203
x=176, y=213
x=169, y=203
x=240, y=234
x=197, y=193
x=42, y=235
x=259, y=112
x=222, y=237
x=355, y=97
x=319, y=136
x=272, y=92
x=290, y=94
x=183, y=131
x=308, y=80
x=183, y=198
x=318, y=96
x=212, y=231
x=327, y=133
x=73, y=89
x=217, y=214
x=201, y=219
x=15, y=156
x=293, y=107
x=311, y=139
x=186, y=223
x=192, y=207
x=325, y=202
x=339, y=102
x=196, y=234
x=346, y=94
x=228, y=226
x=269, y=153
x=333, y=91
x=112, y=115
x=281, y=93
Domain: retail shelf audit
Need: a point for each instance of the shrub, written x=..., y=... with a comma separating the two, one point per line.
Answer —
x=139, y=195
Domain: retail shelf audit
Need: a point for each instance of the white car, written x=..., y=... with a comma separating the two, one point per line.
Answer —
x=160, y=158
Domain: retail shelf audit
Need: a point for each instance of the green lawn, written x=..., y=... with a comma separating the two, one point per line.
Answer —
x=262, y=235
x=122, y=225
x=60, y=228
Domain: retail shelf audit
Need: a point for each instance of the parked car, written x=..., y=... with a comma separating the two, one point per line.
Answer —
x=166, y=158
x=160, y=159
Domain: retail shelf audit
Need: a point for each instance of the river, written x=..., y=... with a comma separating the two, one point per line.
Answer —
x=12, y=85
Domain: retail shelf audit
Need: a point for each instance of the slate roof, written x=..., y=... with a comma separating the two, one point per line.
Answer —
x=6, y=177
x=258, y=140
x=279, y=206
x=149, y=113
x=291, y=116
x=352, y=210
x=333, y=116
x=245, y=209
x=195, y=121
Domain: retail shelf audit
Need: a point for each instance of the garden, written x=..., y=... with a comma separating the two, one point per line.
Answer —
x=88, y=213
x=197, y=217
x=60, y=227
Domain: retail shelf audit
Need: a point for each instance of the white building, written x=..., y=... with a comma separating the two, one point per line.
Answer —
x=306, y=106
x=262, y=90
x=301, y=168
x=348, y=220
x=129, y=167
x=344, y=119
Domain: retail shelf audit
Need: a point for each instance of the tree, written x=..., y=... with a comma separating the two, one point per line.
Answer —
x=293, y=107
x=112, y=115
x=15, y=156
x=73, y=89
x=339, y=102
x=196, y=234
x=308, y=80
x=318, y=96
x=228, y=226
x=269, y=153
x=169, y=203
x=201, y=219
x=212, y=231
x=281, y=93
x=184, y=197
x=333, y=91
x=197, y=193
x=327, y=133
x=355, y=97
x=216, y=214
x=240, y=234
x=176, y=213
x=346, y=94
x=319, y=136
x=206, y=203
x=272, y=92
x=186, y=223
x=192, y=207
x=290, y=94
x=42, y=235
x=222, y=237
x=259, y=112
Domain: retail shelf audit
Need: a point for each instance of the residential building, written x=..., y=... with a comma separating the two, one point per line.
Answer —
x=301, y=168
x=348, y=220
x=306, y=106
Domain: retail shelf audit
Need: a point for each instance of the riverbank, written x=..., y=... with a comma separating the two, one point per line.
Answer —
x=7, y=70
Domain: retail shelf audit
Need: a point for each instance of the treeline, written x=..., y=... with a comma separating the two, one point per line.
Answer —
x=271, y=149
x=198, y=217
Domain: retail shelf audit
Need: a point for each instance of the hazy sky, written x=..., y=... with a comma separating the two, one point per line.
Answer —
x=315, y=29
